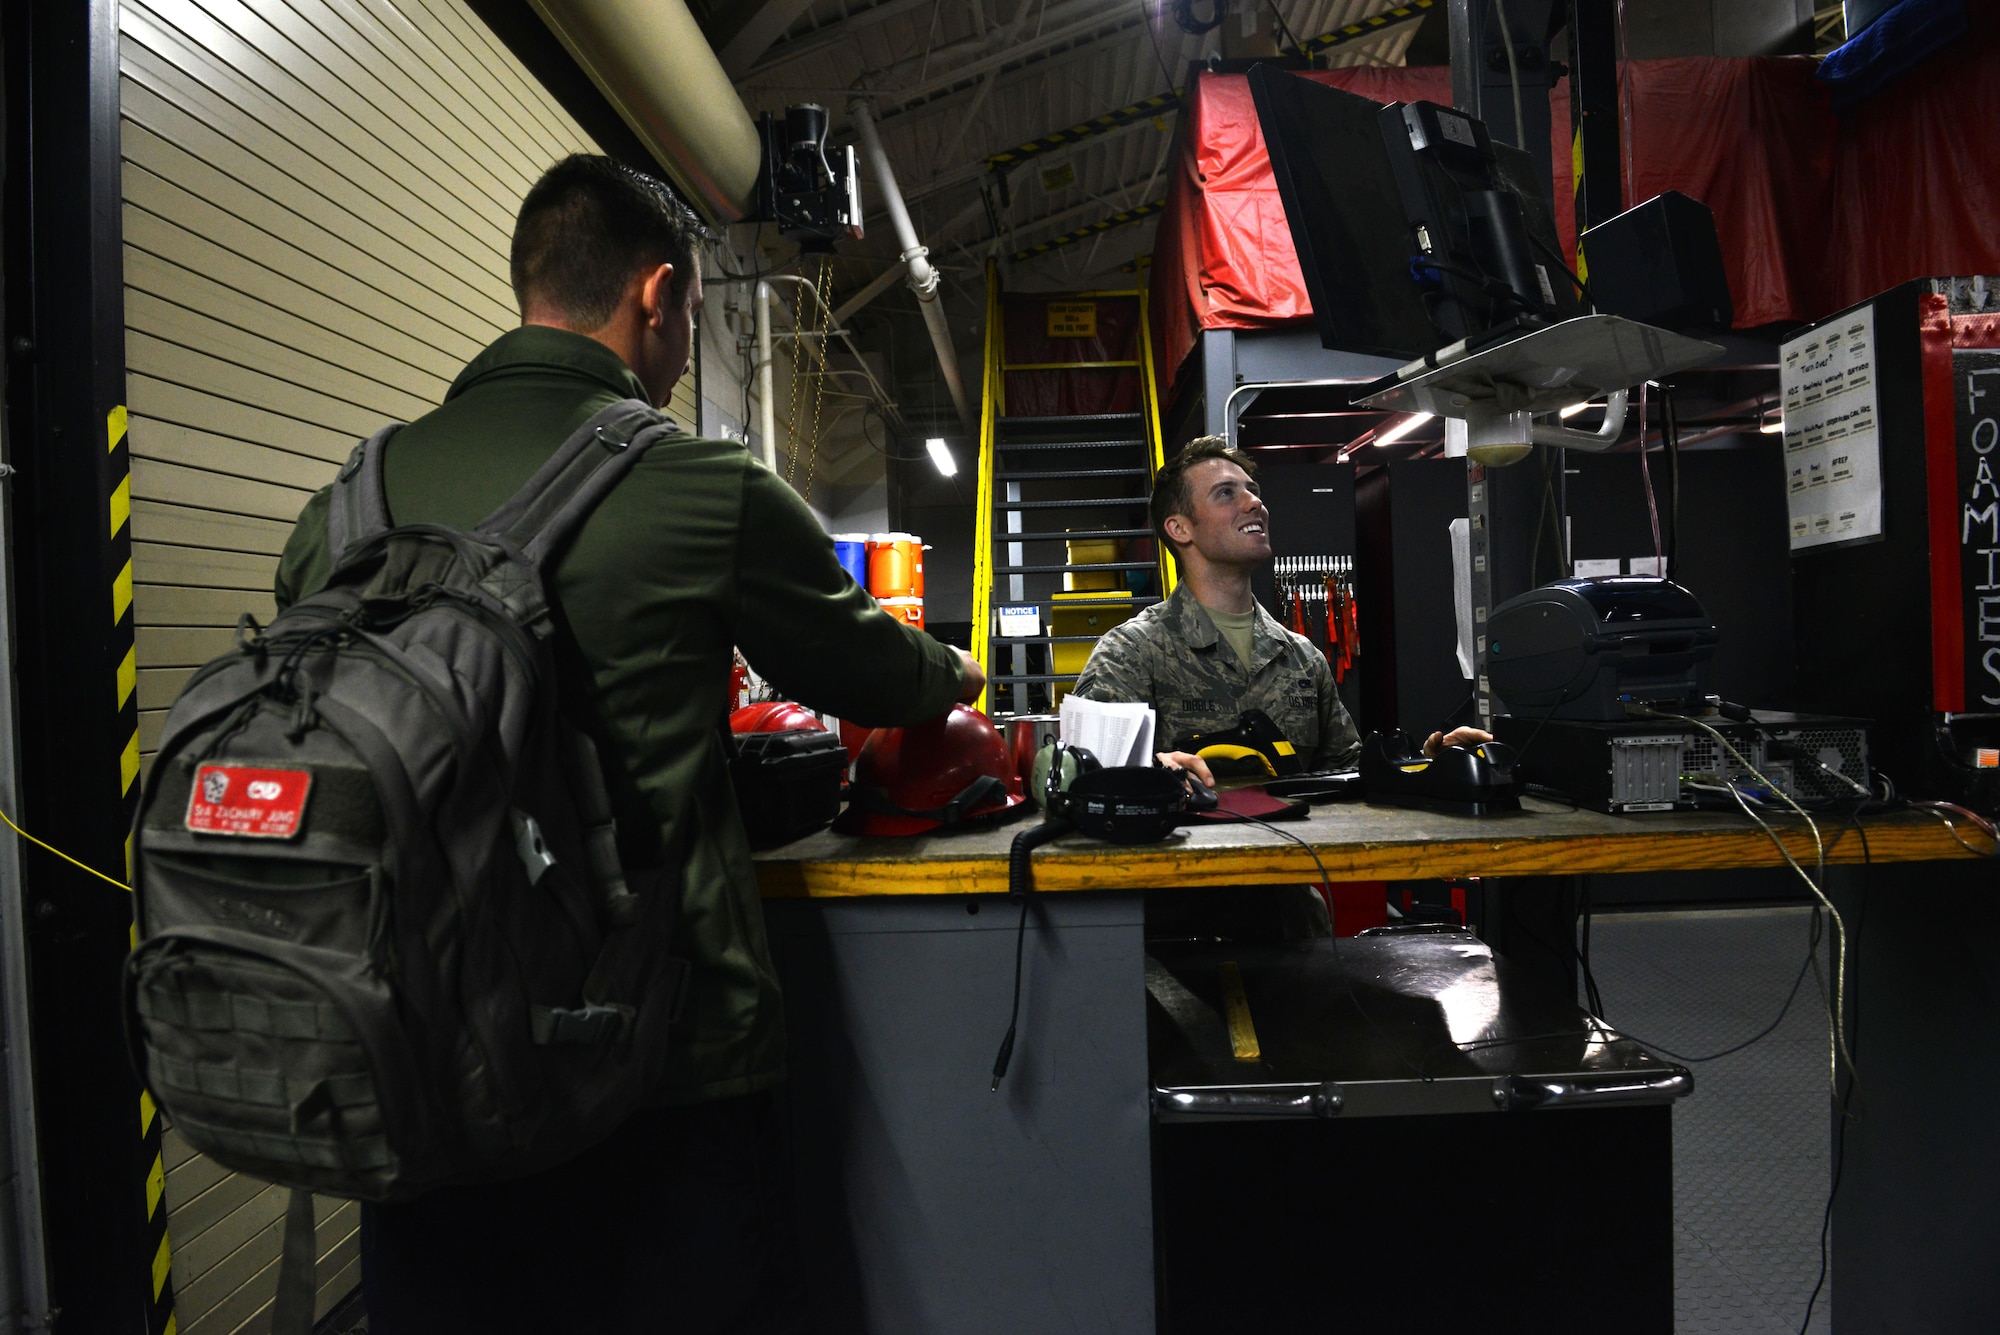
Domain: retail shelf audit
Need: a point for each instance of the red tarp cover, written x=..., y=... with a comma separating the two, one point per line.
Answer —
x=1815, y=211
x=1093, y=390
x=1753, y=140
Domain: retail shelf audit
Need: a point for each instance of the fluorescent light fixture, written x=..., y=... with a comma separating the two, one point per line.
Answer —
x=1572, y=410
x=941, y=456
x=1402, y=428
x=1771, y=426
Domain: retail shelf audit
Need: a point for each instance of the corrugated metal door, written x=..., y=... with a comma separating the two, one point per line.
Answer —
x=318, y=200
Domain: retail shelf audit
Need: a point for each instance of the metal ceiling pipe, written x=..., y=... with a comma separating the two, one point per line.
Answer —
x=923, y=278
x=654, y=66
x=767, y=413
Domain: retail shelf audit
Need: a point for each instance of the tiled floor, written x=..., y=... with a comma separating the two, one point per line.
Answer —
x=1751, y=1144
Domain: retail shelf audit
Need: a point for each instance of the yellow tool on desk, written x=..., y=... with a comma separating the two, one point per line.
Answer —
x=1255, y=748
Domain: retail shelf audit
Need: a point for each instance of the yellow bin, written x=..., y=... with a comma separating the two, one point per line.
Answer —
x=1068, y=659
x=1093, y=551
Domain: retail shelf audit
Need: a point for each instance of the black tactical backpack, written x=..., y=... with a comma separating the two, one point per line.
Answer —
x=385, y=940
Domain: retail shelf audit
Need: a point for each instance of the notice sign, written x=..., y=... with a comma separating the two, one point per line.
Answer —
x=1833, y=452
x=1072, y=319
x=248, y=803
x=1017, y=621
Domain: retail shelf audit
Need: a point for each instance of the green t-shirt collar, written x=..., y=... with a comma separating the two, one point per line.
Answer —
x=539, y=349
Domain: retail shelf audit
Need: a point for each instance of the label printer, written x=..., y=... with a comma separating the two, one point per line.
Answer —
x=1586, y=648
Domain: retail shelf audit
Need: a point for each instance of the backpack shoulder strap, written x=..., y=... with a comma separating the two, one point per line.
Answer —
x=358, y=509
x=563, y=491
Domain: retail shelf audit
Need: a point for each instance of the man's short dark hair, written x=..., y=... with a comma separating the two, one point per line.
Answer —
x=1171, y=493
x=586, y=227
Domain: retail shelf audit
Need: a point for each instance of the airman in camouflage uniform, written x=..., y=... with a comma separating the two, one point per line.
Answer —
x=1172, y=657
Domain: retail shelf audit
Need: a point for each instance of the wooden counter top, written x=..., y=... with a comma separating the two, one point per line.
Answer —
x=1355, y=841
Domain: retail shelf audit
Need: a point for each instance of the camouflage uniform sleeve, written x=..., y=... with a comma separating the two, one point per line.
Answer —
x=1339, y=741
x=1117, y=670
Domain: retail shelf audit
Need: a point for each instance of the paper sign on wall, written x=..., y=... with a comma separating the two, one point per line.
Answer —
x=1833, y=450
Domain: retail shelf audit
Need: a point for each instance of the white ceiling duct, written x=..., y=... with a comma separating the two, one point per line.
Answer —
x=652, y=63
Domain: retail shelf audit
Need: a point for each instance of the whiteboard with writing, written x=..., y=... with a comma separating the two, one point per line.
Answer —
x=1833, y=451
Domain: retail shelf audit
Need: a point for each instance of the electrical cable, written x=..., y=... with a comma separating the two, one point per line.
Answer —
x=1670, y=429
x=1513, y=72
x=715, y=244
x=1021, y=885
x=1646, y=475
x=1285, y=28
x=1194, y=27
x=1839, y=1050
x=871, y=407
x=1617, y=1034
x=1491, y=287
x=1154, y=38
x=1826, y=1218
x=1841, y=1124
x=1933, y=809
x=64, y=856
x=1590, y=989
x=1552, y=461
x=1562, y=263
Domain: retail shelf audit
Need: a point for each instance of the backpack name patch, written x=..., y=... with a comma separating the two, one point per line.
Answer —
x=250, y=803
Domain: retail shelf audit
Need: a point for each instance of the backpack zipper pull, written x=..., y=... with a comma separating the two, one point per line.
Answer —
x=305, y=717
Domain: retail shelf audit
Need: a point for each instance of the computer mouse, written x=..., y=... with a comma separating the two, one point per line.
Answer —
x=1201, y=797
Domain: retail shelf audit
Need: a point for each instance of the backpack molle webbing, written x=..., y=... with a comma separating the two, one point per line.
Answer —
x=385, y=939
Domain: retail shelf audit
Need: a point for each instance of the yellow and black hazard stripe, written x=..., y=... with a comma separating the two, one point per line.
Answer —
x=1367, y=27
x=1096, y=125
x=1118, y=219
x=160, y=1318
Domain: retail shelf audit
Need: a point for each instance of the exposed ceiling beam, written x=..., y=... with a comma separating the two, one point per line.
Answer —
x=1138, y=213
x=1069, y=36
x=971, y=172
x=1037, y=55
x=1102, y=202
x=1373, y=25
x=820, y=39
x=758, y=23
x=952, y=60
x=874, y=288
x=1132, y=113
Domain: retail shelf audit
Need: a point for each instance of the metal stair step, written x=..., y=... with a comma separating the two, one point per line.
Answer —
x=1071, y=601
x=1072, y=505
x=1068, y=569
x=1062, y=422
x=1060, y=474
x=999, y=538
x=1065, y=444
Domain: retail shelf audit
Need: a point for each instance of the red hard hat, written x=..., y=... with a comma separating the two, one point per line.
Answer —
x=774, y=716
x=853, y=736
x=934, y=775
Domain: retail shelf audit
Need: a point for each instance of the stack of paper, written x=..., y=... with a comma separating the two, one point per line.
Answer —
x=1117, y=734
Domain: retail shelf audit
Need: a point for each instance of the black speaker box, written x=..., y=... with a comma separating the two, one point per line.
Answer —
x=1660, y=264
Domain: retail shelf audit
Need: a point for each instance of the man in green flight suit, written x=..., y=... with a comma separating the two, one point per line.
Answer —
x=679, y=1221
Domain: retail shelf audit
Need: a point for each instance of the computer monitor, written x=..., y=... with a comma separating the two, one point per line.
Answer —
x=1413, y=228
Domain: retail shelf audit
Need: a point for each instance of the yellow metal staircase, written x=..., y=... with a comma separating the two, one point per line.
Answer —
x=1058, y=495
